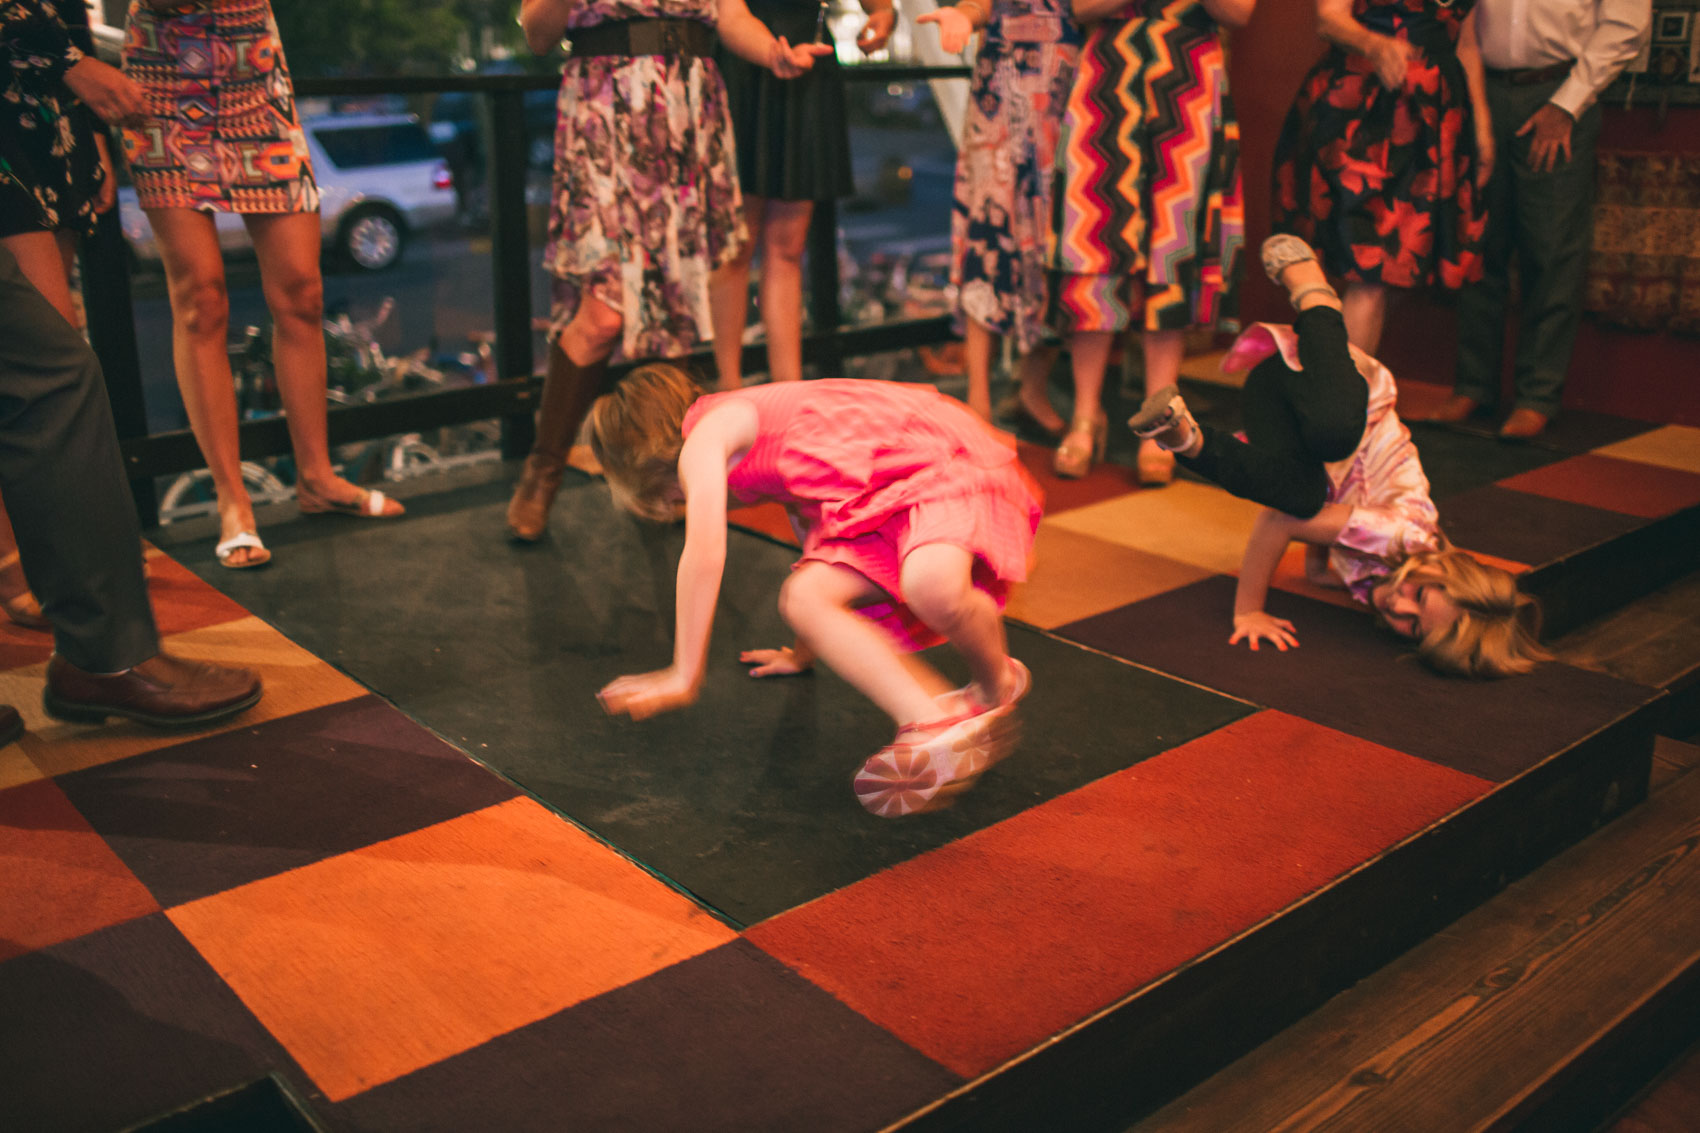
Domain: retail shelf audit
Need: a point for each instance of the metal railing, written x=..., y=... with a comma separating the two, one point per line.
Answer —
x=512, y=397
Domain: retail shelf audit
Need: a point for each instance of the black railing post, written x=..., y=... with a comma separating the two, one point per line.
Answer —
x=510, y=249
x=824, y=283
x=112, y=333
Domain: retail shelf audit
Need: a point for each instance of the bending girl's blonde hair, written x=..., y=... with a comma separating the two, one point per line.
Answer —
x=1494, y=635
x=636, y=433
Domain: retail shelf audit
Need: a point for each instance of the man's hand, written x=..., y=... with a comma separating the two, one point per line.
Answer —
x=1551, y=126
x=107, y=91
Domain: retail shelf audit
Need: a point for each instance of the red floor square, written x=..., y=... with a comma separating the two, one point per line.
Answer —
x=986, y=947
x=1627, y=486
x=58, y=879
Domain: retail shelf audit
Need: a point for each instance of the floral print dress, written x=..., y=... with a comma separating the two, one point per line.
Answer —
x=1002, y=210
x=1382, y=183
x=646, y=202
x=50, y=170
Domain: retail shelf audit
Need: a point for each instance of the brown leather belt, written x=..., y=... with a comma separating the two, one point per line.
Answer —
x=642, y=37
x=1529, y=76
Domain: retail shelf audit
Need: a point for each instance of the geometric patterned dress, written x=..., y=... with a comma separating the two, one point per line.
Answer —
x=1148, y=185
x=221, y=132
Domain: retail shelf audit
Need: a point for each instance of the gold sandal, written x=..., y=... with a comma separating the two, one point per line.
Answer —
x=1074, y=460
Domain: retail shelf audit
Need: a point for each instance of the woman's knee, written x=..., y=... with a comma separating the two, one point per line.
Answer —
x=202, y=305
x=802, y=594
x=299, y=297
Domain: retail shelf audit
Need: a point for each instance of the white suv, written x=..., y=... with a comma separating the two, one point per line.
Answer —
x=380, y=179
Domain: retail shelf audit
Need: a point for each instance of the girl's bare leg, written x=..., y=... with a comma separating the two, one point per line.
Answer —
x=729, y=299
x=1365, y=312
x=938, y=586
x=200, y=317
x=818, y=602
x=785, y=237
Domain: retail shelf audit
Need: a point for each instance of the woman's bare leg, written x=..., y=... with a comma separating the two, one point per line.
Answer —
x=200, y=318
x=785, y=237
x=1365, y=310
x=45, y=259
x=978, y=342
x=729, y=299
x=287, y=245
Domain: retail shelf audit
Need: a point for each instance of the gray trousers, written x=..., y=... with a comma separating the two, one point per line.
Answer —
x=63, y=484
x=1546, y=221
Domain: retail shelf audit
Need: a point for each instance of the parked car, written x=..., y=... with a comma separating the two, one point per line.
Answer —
x=380, y=181
x=456, y=119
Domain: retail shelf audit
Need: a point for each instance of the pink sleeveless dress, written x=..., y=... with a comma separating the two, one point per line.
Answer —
x=876, y=469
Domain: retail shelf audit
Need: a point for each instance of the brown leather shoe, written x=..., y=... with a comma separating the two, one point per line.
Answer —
x=1523, y=425
x=11, y=724
x=164, y=691
x=1455, y=411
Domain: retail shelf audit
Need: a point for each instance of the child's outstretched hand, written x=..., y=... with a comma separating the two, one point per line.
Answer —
x=786, y=662
x=954, y=29
x=1259, y=626
x=789, y=61
x=642, y=695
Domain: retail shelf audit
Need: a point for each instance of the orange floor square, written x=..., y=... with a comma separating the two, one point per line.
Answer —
x=1671, y=446
x=1627, y=486
x=375, y=963
x=295, y=681
x=1193, y=523
x=1076, y=576
x=58, y=879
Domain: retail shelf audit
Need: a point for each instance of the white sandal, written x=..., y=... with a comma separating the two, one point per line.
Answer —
x=242, y=540
x=1162, y=411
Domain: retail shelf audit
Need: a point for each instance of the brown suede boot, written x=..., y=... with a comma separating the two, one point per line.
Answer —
x=568, y=391
x=539, y=480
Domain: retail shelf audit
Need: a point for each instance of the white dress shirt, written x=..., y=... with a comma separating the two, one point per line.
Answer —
x=1601, y=36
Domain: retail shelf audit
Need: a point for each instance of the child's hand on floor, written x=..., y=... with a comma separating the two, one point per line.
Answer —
x=1258, y=625
x=642, y=695
x=784, y=662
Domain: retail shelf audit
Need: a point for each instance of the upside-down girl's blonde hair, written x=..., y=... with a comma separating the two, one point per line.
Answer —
x=1495, y=633
x=636, y=431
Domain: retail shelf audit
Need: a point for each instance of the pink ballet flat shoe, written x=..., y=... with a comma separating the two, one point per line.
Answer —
x=928, y=765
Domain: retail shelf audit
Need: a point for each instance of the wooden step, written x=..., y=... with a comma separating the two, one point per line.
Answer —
x=1544, y=1009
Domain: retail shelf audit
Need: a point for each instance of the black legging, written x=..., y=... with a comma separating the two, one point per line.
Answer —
x=1295, y=422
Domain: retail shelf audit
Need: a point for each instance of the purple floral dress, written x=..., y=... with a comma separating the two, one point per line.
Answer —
x=646, y=201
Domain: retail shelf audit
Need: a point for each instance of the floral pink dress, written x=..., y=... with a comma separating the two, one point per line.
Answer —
x=875, y=469
x=1382, y=481
x=646, y=202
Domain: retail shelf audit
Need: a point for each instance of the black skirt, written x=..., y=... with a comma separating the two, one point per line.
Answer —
x=791, y=136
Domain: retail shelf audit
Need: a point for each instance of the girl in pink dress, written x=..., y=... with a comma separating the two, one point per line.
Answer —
x=914, y=519
x=1329, y=457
